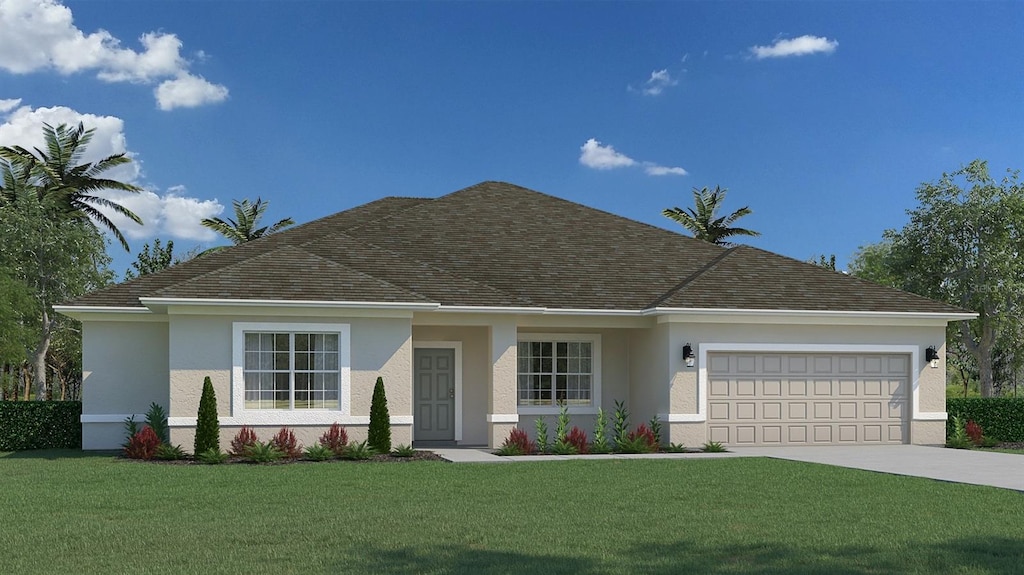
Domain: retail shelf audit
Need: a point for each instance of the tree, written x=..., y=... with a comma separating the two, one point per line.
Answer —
x=702, y=221
x=152, y=259
x=244, y=227
x=56, y=258
x=64, y=185
x=379, y=432
x=207, y=424
x=963, y=245
x=821, y=261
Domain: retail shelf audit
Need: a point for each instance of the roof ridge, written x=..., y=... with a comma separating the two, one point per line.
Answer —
x=693, y=277
x=416, y=262
x=304, y=252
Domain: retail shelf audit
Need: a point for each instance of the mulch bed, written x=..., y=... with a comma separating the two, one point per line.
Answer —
x=1011, y=445
x=418, y=456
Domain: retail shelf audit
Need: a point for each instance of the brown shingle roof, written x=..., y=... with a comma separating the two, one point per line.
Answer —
x=497, y=244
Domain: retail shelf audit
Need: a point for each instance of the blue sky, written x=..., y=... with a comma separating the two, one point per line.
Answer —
x=822, y=117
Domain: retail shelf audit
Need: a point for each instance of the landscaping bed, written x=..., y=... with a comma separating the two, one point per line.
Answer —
x=418, y=455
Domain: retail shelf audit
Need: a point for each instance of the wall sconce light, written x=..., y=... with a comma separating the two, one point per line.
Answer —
x=931, y=355
x=688, y=355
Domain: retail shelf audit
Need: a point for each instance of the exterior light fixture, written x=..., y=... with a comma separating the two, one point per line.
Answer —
x=931, y=355
x=688, y=355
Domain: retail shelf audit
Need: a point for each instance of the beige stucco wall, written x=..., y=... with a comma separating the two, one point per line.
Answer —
x=124, y=370
x=201, y=346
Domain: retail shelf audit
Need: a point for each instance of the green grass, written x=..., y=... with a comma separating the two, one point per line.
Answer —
x=95, y=514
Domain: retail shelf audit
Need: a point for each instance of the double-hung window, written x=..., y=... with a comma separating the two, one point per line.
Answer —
x=287, y=370
x=555, y=369
x=287, y=373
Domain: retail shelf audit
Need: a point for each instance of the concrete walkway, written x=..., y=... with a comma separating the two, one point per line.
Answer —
x=1004, y=470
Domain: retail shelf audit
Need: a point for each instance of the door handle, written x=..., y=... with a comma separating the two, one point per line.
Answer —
x=451, y=392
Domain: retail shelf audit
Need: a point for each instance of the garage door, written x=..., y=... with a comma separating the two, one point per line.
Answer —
x=807, y=399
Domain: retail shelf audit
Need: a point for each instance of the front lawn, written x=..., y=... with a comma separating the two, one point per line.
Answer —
x=95, y=514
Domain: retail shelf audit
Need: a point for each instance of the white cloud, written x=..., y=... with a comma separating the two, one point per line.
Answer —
x=171, y=214
x=656, y=84
x=800, y=46
x=38, y=35
x=656, y=170
x=594, y=155
x=8, y=105
x=599, y=157
x=188, y=91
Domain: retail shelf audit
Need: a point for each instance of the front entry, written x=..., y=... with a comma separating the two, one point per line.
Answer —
x=435, y=394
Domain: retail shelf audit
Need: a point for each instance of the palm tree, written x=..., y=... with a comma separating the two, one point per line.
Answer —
x=62, y=184
x=243, y=228
x=702, y=221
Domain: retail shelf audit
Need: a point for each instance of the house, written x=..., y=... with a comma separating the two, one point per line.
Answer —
x=485, y=308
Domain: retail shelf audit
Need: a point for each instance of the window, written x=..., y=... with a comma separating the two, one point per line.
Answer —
x=291, y=370
x=555, y=369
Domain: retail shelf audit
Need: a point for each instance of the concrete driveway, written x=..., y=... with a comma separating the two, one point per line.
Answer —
x=1004, y=470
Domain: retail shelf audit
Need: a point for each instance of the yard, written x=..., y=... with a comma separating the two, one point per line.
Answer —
x=67, y=512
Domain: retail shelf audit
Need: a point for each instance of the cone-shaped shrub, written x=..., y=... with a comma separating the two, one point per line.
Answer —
x=207, y=424
x=379, y=434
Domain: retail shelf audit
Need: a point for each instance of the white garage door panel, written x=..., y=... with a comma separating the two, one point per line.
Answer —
x=807, y=399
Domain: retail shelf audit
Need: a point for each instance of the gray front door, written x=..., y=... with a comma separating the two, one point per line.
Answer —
x=435, y=394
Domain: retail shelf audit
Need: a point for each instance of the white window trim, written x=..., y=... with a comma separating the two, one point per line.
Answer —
x=457, y=346
x=702, y=374
x=242, y=416
x=595, y=383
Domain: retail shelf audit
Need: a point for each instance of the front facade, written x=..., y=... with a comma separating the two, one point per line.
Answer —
x=478, y=328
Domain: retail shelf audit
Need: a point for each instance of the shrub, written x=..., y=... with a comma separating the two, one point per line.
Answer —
x=656, y=429
x=207, y=424
x=40, y=425
x=621, y=428
x=286, y=443
x=244, y=439
x=335, y=439
x=562, y=426
x=156, y=419
x=517, y=443
x=640, y=440
x=131, y=427
x=143, y=444
x=578, y=439
x=958, y=439
x=676, y=448
x=713, y=447
x=563, y=448
x=358, y=451
x=403, y=451
x=212, y=456
x=261, y=452
x=319, y=452
x=542, y=434
x=974, y=432
x=600, y=444
x=379, y=433
x=168, y=452
x=1000, y=417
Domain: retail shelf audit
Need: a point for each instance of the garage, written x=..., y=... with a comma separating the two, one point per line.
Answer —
x=807, y=398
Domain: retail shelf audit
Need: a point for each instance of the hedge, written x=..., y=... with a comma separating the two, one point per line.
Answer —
x=1001, y=418
x=40, y=425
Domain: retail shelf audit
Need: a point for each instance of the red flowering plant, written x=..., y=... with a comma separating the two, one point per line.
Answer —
x=244, y=439
x=975, y=432
x=517, y=443
x=578, y=439
x=335, y=439
x=285, y=442
x=143, y=444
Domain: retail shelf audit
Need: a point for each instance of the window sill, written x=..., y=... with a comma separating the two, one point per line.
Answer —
x=573, y=410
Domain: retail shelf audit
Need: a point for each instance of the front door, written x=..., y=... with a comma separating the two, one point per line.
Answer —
x=435, y=394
